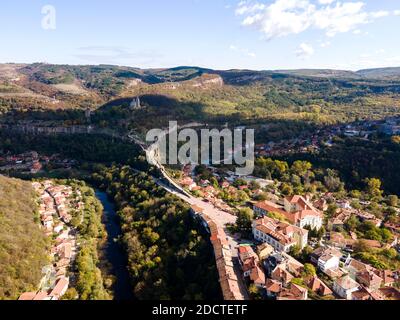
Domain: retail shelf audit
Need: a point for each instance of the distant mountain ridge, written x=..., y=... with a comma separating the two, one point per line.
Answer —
x=201, y=93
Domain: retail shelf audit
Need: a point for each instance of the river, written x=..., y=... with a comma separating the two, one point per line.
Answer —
x=114, y=253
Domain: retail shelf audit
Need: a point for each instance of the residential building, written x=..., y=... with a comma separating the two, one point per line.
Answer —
x=296, y=209
x=326, y=258
x=248, y=259
x=280, y=235
x=345, y=286
x=273, y=288
x=369, y=279
x=293, y=292
x=264, y=250
x=316, y=285
x=258, y=277
x=60, y=288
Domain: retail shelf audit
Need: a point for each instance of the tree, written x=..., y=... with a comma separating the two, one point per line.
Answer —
x=361, y=246
x=254, y=292
x=393, y=200
x=286, y=189
x=386, y=235
x=309, y=270
x=301, y=167
x=374, y=187
x=396, y=139
x=332, y=181
x=331, y=211
x=243, y=221
x=352, y=223
x=277, y=216
x=355, y=194
x=239, y=182
x=295, y=251
x=254, y=185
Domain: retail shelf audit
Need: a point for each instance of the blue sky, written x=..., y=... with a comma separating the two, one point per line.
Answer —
x=221, y=34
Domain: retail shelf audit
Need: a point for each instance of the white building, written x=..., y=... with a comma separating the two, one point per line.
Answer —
x=326, y=258
x=295, y=209
x=345, y=286
x=280, y=235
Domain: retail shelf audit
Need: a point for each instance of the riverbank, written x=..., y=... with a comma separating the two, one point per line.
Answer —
x=113, y=252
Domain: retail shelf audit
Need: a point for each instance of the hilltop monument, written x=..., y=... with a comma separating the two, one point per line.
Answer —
x=135, y=104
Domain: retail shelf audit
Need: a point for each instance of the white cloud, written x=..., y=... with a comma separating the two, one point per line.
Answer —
x=285, y=17
x=325, y=44
x=396, y=12
x=380, y=14
x=242, y=51
x=304, y=51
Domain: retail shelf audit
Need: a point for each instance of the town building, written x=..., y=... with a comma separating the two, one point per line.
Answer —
x=326, y=258
x=280, y=235
x=345, y=286
x=296, y=209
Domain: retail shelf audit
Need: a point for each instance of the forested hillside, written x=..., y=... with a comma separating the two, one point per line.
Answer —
x=195, y=94
x=169, y=257
x=22, y=242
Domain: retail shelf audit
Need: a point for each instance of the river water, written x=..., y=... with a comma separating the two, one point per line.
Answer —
x=114, y=253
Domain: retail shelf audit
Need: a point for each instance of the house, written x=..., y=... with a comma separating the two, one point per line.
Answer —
x=389, y=278
x=264, y=250
x=354, y=267
x=273, y=288
x=345, y=286
x=294, y=292
x=390, y=293
x=369, y=279
x=280, y=235
x=344, y=204
x=42, y=296
x=36, y=296
x=321, y=204
x=303, y=212
x=393, y=227
x=27, y=296
x=317, y=286
x=60, y=288
x=326, y=258
x=258, y=277
x=248, y=259
x=361, y=294
x=286, y=268
x=281, y=274
x=58, y=228
x=296, y=209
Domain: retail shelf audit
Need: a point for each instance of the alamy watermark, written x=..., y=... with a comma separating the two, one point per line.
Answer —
x=49, y=21
x=194, y=148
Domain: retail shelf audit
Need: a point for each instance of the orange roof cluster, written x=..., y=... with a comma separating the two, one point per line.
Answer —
x=281, y=231
x=223, y=257
x=306, y=209
x=294, y=292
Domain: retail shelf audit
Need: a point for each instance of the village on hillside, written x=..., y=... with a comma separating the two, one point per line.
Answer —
x=315, y=246
x=56, y=202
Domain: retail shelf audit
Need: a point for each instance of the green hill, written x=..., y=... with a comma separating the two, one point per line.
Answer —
x=196, y=94
x=22, y=243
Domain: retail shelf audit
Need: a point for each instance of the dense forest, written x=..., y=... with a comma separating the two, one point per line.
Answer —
x=169, y=255
x=90, y=148
x=20, y=262
x=357, y=159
